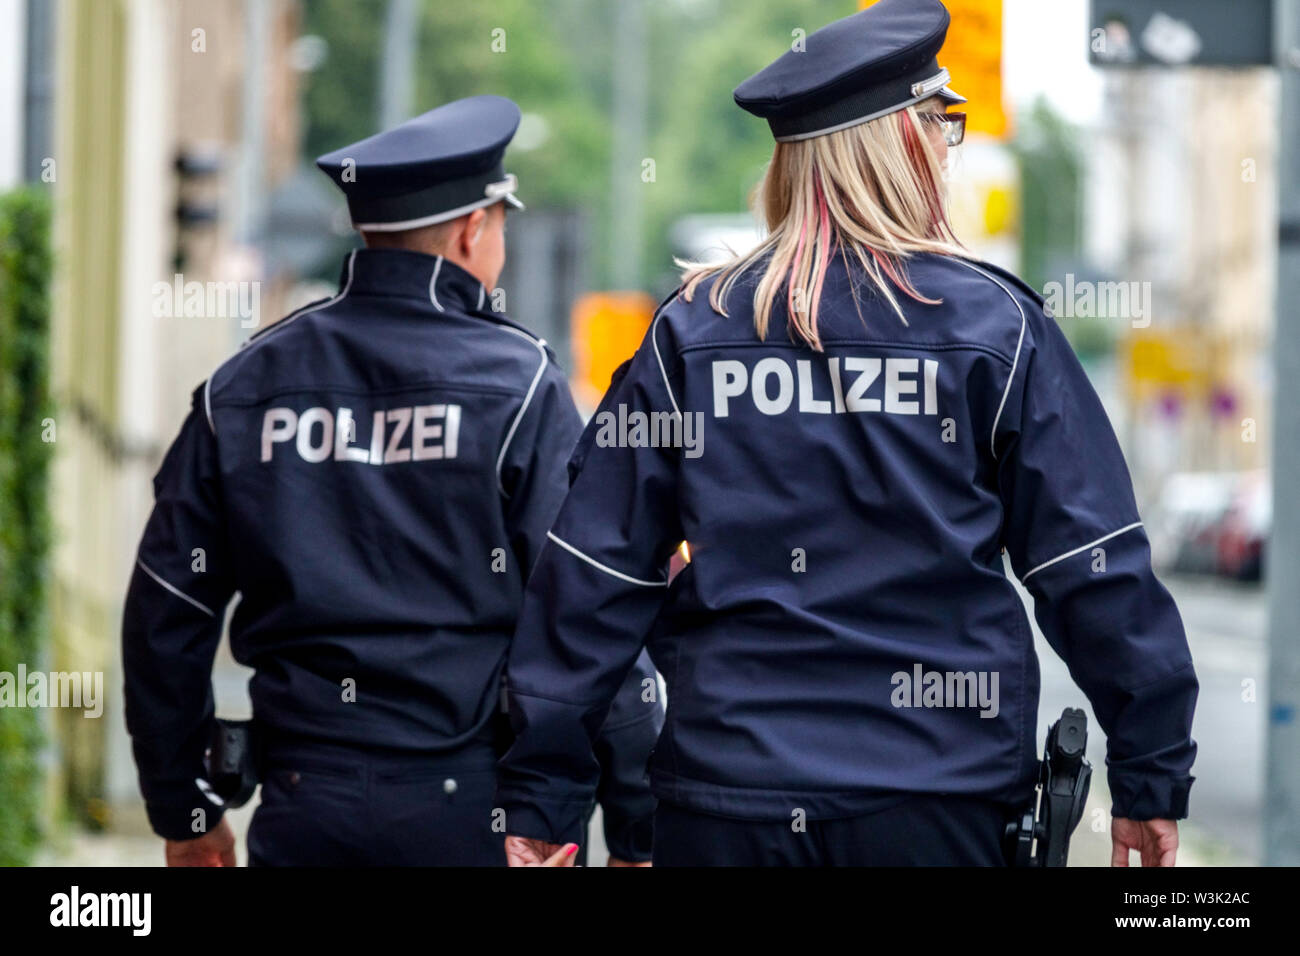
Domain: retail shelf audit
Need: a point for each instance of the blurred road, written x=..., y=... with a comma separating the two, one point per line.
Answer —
x=1226, y=628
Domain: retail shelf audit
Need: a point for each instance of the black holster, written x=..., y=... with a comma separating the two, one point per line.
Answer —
x=1040, y=835
x=232, y=761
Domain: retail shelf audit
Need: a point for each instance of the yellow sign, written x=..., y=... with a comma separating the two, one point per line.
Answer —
x=607, y=328
x=972, y=53
x=1156, y=362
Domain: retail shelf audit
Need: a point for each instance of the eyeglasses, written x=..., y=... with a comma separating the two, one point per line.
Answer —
x=952, y=125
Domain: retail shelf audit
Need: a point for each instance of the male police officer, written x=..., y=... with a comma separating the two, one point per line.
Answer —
x=375, y=475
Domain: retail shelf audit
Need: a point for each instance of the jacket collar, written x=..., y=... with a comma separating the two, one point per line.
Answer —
x=400, y=272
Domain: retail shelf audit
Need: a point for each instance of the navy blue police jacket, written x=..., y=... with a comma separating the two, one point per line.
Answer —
x=845, y=631
x=374, y=475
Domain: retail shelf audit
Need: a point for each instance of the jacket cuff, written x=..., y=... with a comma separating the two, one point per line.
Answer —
x=178, y=822
x=631, y=841
x=554, y=821
x=1139, y=796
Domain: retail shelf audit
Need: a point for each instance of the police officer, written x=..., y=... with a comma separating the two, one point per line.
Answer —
x=375, y=475
x=876, y=418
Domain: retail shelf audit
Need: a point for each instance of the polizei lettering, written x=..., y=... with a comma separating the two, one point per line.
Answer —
x=848, y=384
x=417, y=433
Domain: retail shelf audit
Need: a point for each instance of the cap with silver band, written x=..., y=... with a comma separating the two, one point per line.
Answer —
x=440, y=165
x=875, y=62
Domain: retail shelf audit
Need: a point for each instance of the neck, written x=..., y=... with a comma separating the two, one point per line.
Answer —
x=426, y=245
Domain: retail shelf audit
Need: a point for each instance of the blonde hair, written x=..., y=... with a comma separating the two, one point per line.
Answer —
x=875, y=189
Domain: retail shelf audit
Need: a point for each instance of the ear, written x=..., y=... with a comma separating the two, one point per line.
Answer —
x=472, y=230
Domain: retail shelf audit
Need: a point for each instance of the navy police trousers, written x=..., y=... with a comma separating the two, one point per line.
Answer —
x=919, y=830
x=327, y=804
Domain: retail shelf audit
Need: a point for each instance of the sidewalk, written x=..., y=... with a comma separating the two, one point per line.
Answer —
x=131, y=844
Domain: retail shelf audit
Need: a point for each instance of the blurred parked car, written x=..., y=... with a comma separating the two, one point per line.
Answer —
x=1245, y=528
x=1212, y=523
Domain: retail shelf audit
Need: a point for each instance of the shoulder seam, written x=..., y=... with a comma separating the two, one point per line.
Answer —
x=540, y=345
x=654, y=341
x=250, y=344
x=993, y=432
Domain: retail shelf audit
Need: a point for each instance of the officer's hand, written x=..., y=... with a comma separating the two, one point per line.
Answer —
x=521, y=851
x=615, y=861
x=1156, y=840
x=214, y=848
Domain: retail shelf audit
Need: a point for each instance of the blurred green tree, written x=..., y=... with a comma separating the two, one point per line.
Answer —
x=710, y=153
x=1046, y=149
x=1051, y=174
x=554, y=58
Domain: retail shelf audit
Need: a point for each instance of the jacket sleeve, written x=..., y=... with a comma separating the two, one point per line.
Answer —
x=623, y=749
x=171, y=627
x=538, y=482
x=533, y=478
x=589, y=606
x=1075, y=540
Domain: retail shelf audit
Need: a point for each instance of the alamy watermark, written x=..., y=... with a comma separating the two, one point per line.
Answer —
x=131, y=911
x=1099, y=300
x=922, y=688
x=639, y=429
x=208, y=300
x=75, y=689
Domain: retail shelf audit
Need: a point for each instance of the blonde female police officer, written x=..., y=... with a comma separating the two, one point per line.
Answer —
x=374, y=474
x=851, y=676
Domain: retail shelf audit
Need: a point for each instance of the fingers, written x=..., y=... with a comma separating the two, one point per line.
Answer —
x=1165, y=839
x=228, y=856
x=520, y=852
x=563, y=856
x=1156, y=842
x=1118, y=851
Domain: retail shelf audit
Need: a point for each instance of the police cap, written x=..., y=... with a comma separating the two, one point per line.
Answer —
x=440, y=165
x=877, y=61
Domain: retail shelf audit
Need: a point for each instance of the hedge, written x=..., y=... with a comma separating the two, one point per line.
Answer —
x=25, y=407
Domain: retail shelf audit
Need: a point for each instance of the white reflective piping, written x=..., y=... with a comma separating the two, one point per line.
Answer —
x=206, y=789
x=252, y=343
x=655, y=342
x=1068, y=554
x=433, y=283
x=541, y=367
x=207, y=403
x=1014, y=362
x=179, y=593
x=596, y=564
x=482, y=291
